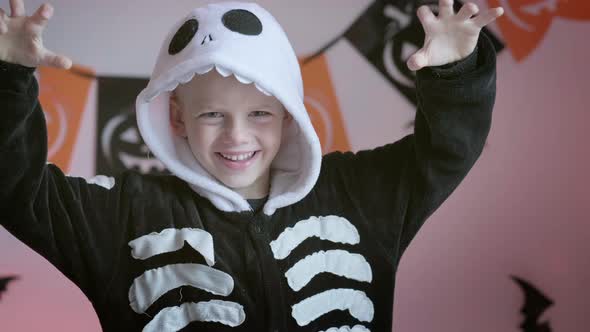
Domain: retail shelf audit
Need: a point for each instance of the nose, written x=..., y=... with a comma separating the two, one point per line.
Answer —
x=208, y=38
x=235, y=132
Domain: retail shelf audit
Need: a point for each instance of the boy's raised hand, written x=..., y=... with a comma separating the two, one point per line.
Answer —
x=450, y=37
x=21, y=37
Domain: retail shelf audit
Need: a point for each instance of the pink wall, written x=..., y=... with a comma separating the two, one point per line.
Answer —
x=523, y=209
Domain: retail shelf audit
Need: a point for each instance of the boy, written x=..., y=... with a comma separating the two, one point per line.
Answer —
x=256, y=231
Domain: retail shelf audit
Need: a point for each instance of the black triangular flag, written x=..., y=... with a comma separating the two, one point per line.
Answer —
x=388, y=32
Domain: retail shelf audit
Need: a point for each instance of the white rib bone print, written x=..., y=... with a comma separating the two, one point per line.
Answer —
x=172, y=239
x=338, y=262
x=331, y=228
x=175, y=318
x=345, y=328
x=152, y=284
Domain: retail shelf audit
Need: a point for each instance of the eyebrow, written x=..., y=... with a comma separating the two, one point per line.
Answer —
x=262, y=106
x=220, y=108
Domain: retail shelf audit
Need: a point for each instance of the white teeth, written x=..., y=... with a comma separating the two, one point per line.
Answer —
x=170, y=86
x=242, y=79
x=200, y=71
x=184, y=79
x=262, y=90
x=238, y=157
x=205, y=70
x=222, y=71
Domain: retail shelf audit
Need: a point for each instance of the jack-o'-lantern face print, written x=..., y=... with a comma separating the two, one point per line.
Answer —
x=123, y=147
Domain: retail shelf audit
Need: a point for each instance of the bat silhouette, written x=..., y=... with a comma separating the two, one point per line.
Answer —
x=4, y=283
x=535, y=303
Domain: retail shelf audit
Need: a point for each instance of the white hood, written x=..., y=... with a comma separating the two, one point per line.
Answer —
x=244, y=40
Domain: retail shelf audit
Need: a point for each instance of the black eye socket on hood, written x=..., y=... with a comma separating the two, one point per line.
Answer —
x=183, y=36
x=242, y=21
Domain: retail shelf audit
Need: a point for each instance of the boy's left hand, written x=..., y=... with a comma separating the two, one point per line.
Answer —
x=450, y=37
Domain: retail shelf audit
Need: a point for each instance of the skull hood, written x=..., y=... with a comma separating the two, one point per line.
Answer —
x=244, y=40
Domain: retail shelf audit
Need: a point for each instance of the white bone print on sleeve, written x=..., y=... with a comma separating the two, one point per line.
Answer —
x=107, y=182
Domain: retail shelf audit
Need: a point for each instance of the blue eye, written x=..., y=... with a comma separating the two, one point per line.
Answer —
x=211, y=115
x=260, y=113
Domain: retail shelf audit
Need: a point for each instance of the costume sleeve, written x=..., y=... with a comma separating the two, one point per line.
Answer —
x=396, y=187
x=69, y=221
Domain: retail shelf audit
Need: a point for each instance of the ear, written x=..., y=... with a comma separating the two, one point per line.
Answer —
x=176, y=113
x=287, y=118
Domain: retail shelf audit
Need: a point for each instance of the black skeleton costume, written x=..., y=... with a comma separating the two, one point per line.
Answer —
x=184, y=252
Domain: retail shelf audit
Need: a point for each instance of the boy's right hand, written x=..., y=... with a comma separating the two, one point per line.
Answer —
x=21, y=37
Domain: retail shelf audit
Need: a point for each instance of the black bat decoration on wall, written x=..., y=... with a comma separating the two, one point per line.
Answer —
x=4, y=283
x=535, y=303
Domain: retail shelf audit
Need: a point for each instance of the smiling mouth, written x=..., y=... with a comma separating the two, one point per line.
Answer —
x=238, y=157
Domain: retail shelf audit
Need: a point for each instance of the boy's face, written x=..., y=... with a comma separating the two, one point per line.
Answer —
x=233, y=129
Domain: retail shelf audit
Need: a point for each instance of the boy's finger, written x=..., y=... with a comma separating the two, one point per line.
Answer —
x=425, y=15
x=42, y=14
x=417, y=61
x=3, y=15
x=468, y=10
x=445, y=8
x=488, y=17
x=55, y=60
x=17, y=8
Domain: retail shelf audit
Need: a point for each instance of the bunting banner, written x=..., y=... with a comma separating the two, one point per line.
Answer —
x=526, y=22
x=64, y=97
x=322, y=105
x=389, y=32
x=119, y=145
